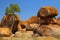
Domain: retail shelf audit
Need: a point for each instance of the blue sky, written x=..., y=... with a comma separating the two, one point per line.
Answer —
x=28, y=7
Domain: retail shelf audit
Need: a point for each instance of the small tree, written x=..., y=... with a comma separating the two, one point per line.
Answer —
x=13, y=8
x=11, y=11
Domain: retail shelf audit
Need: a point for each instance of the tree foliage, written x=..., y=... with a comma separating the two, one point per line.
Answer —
x=12, y=9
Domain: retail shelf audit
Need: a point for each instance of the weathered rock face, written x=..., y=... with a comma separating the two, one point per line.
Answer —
x=44, y=30
x=55, y=30
x=3, y=22
x=8, y=20
x=24, y=22
x=5, y=31
x=34, y=19
x=27, y=24
x=58, y=21
x=33, y=26
x=48, y=30
x=47, y=15
x=47, y=11
x=19, y=26
x=23, y=25
x=15, y=26
x=48, y=20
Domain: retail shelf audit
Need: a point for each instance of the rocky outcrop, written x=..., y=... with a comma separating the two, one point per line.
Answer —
x=48, y=30
x=10, y=21
x=47, y=15
x=44, y=24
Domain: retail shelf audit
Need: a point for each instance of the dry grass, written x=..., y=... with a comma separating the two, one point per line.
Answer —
x=25, y=38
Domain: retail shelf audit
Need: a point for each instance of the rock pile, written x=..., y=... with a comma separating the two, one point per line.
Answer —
x=47, y=16
x=43, y=24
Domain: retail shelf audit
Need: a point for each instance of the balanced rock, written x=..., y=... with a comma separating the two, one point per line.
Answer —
x=47, y=11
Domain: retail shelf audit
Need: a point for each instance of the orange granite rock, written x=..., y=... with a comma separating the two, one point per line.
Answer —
x=47, y=11
x=5, y=31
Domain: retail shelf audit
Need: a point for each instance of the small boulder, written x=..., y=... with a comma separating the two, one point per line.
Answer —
x=5, y=31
